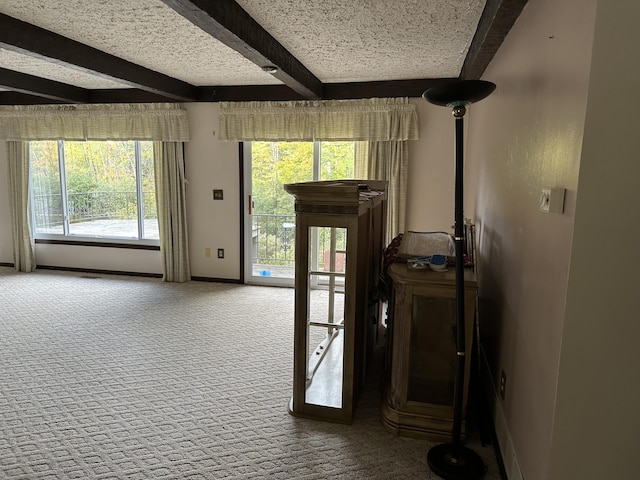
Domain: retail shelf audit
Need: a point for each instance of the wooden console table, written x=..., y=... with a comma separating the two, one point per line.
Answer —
x=420, y=359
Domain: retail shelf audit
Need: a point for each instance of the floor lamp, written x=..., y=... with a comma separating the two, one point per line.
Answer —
x=453, y=461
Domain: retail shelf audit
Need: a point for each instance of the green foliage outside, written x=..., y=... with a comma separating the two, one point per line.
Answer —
x=100, y=180
x=275, y=164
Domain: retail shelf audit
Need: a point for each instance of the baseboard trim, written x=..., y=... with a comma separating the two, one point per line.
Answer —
x=505, y=444
x=216, y=280
x=99, y=272
x=124, y=273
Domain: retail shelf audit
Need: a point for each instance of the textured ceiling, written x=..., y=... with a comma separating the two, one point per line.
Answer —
x=366, y=40
x=204, y=50
x=146, y=32
x=33, y=66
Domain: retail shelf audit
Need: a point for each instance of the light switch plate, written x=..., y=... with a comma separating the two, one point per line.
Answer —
x=552, y=200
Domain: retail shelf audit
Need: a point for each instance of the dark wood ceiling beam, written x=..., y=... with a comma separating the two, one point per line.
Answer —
x=16, y=98
x=495, y=23
x=332, y=91
x=227, y=22
x=246, y=93
x=27, y=39
x=42, y=87
x=390, y=88
x=125, y=95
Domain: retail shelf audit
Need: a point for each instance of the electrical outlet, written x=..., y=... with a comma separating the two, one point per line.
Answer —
x=221, y=253
x=503, y=383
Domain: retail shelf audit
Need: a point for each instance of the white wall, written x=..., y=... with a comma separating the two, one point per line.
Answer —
x=430, y=198
x=563, y=326
x=99, y=258
x=211, y=164
x=526, y=136
x=596, y=432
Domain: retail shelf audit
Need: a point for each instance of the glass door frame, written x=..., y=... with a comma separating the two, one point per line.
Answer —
x=247, y=220
x=249, y=276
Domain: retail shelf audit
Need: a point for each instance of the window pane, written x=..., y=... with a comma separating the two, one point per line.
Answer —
x=274, y=164
x=325, y=334
x=150, y=213
x=101, y=189
x=337, y=160
x=45, y=181
x=93, y=188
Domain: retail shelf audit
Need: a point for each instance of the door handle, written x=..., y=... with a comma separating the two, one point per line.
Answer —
x=250, y=205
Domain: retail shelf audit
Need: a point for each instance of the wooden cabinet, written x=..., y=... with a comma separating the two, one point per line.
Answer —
x=420, y=358
x=340, y=229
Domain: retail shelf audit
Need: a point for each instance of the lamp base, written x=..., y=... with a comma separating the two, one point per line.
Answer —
x=466, y=465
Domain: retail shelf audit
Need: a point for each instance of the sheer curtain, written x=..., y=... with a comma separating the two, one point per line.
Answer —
x=166, y=123
x=23, y=246
x=172, y=212
x=387, y=161
x=381, y=126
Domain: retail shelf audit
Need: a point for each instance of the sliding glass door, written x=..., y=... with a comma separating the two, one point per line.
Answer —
x=269, y=210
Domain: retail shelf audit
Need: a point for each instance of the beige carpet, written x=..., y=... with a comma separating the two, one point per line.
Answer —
x=130, y=378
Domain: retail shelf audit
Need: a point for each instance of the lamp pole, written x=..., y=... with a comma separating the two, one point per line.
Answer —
x=458, y=113
x=453, y=461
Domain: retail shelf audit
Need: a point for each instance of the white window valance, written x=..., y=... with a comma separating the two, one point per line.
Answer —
x=162, y=122
x=374, y=119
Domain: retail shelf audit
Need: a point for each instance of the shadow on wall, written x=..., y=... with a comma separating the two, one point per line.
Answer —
x=490, y=292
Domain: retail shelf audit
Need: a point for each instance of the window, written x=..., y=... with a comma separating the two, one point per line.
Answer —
x=270, y=226
x=93, y=190
x=274, y=164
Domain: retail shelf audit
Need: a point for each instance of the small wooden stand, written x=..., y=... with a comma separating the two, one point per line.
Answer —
x=334, y=337
x=420, y=361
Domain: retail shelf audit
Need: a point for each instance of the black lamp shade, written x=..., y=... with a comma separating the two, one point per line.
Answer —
x=458, y=93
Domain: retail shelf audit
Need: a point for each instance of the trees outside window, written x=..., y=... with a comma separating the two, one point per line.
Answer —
x=274, y=164
x=95, y=189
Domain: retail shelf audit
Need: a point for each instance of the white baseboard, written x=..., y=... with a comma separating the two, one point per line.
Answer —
x=509, y=458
